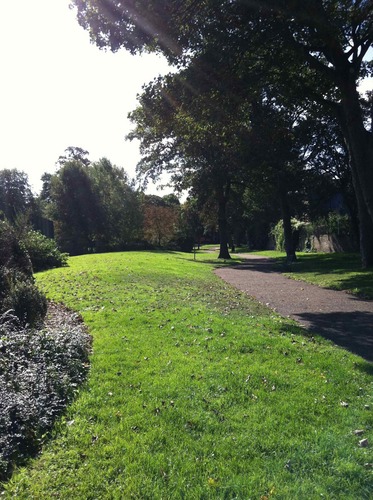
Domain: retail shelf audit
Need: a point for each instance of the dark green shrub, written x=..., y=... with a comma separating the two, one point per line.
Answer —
x=43, y=251
x=25, y=300
x=184, y=243
x=13, y=255
x=40, y=371
x=17, y=289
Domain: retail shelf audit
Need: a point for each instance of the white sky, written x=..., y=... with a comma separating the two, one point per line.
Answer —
x=59, y=90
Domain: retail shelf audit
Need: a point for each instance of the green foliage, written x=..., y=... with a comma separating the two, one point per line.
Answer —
x=39, y=374
x=43, y=251
x=333, y=223
x=22, y=297
x=13, y=255
x=278, y=232
x=189, y=228
x=95, y=207
x=197, y=391
x=17, y=289
x=15, y=194
x=119, y=206
x=286, y=49
x=78, y=214
x=74, y=153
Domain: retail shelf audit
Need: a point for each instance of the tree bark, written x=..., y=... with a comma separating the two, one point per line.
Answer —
x=360, y=147
x=359, y=142
x=286, y=221
x=365, y=227
x=223, y=225
x=366, y=238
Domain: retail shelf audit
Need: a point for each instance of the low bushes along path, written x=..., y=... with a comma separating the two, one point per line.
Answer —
x=343, y=318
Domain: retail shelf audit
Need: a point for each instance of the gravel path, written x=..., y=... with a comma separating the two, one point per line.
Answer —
x=338, y=316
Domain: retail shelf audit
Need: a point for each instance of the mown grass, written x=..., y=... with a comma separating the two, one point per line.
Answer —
x=339, y=271
x=197, y=392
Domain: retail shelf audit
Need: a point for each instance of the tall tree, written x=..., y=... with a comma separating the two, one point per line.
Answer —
x=119, y=205
x=74, y=153
x=16, y=198
x=315, y=48
x=194, y=128
x=78, y=214
x=332, y=39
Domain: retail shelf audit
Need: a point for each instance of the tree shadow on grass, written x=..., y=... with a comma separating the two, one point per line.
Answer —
x=359, y=283
x=334, y=327
x=214, y=261
x=350, y=330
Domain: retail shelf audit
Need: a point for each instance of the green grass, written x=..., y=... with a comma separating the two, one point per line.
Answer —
x=197, y=392
x=339, y=271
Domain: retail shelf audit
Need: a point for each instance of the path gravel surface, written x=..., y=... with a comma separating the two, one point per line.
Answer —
x=338, y=316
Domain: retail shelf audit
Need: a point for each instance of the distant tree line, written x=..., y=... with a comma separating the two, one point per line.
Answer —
x=95, y=207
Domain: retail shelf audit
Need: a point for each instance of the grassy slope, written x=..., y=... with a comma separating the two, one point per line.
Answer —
x=339, y=271
x=197, y=392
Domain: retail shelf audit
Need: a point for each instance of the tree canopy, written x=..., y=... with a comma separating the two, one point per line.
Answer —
x=15, y=194
x=309, y=51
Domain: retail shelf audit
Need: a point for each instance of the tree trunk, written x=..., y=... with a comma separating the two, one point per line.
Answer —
x=286, y=221
x=223, y=225
x=365, y=228
x=366, y=238
x=350, y=200
x=359, y=142
x=360, y=147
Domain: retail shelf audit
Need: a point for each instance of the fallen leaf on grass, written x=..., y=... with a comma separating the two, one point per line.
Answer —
x=212, y=482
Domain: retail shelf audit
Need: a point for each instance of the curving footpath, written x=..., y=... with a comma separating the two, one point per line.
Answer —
x=338, y=316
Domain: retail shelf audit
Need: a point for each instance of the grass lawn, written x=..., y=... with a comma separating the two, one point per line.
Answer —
x=197, y=392
x=339, y=271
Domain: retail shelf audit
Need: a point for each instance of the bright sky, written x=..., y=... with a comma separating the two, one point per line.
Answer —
x=59, y=90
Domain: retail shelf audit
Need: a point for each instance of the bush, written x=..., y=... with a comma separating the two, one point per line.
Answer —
x=40, y=371
x=43, y=251
x=24, y=299
x=183, y=244
x=17, y=289
x=13, y=255
x=277, y=232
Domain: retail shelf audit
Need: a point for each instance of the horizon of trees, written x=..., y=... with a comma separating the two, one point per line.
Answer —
x=95, y=208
